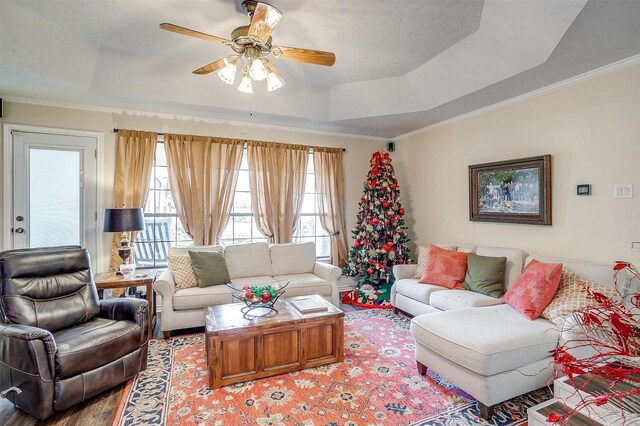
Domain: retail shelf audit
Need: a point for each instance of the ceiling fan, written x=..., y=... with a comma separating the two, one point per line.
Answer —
x=252, y=45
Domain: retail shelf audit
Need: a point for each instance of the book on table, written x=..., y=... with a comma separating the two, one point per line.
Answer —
x=308, y=304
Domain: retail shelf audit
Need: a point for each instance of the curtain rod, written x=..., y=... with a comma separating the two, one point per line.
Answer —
x=115, y=130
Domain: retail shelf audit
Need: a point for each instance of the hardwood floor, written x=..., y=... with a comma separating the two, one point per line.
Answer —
x=98, y=411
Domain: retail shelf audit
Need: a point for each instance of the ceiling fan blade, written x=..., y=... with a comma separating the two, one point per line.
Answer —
x=192, y=33
x=209, y=68
x=317, y=57
x=264, y=20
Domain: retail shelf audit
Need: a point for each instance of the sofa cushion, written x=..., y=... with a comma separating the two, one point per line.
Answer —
x=182, y=270
x=513, y=267
x=87, y=346
x=486, y=340
x=248, y=260
x=448, y=300
x=210, y=268
x=197, y=298
x=445, y=268
x=292, y=258
x=251, y=281
x=485, y=274
x=534, y=288
x=414, y=290
x=304, y=284
x=423, y=254
x=572, y=296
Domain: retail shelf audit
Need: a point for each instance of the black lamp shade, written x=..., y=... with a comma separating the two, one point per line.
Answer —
x=123, y=220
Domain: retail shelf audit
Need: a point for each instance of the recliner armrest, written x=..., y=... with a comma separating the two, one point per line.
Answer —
x=327, y=271
x=16, y=341
x=126, y=308
x=29, y=355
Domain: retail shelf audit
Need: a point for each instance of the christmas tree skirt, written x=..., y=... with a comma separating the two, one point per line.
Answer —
x=367, y=295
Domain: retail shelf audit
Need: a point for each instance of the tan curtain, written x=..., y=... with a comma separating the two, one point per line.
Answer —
x=277, y=174
x=135, y=151
x=327, y=164
x=203, y=172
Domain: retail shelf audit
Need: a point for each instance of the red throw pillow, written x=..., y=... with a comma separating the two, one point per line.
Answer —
x=534, y=289
x=445, y=268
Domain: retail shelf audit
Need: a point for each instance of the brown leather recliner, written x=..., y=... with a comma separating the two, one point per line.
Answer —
x=59, y=344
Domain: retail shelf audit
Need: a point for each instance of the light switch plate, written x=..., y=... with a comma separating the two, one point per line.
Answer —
x=623, y=191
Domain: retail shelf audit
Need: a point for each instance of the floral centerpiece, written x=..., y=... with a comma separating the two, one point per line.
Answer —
x=610, y=330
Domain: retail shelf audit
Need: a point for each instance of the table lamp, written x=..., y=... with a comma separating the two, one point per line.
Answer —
x=123, y=220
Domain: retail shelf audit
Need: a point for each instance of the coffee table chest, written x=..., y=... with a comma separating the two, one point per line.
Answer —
x=240, y=349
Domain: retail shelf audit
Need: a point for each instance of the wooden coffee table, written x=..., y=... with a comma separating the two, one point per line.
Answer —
x=240, y=349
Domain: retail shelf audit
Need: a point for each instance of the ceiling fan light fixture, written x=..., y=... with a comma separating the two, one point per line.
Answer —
x=245, y=85
x=228, y=73
x=257, y=70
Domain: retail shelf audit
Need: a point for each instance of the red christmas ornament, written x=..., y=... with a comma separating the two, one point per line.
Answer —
x=369, y=271
x=401, y=211
x=385, y=204
x=375, y=221
x=356, y=244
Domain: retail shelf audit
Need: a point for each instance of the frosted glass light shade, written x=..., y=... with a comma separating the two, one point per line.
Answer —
x=245, y=85
x=258, y=72
x=228, y=73
x=273, y=82
x=274, y=78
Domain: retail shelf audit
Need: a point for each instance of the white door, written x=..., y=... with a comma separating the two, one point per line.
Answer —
x=54, y=190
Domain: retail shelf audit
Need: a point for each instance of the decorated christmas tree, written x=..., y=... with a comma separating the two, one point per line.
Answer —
x=379, y=237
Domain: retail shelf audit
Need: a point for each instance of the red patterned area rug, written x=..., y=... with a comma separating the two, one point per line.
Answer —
x=377, y=384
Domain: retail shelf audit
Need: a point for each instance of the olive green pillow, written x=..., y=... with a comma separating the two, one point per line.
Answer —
x=485, y=274
x=210, y=268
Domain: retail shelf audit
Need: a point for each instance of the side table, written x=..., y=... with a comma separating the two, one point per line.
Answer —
x=110, y=280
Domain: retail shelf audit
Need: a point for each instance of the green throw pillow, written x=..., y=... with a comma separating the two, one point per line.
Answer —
x=210, y=268
x=485, y=274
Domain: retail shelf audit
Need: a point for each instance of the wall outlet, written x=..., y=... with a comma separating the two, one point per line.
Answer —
x=623, y=191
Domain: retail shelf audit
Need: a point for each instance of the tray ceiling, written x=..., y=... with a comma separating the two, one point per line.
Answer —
x=401, y=65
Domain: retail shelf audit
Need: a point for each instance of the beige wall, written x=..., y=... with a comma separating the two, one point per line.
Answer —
x=592, y=131
x=356, y=159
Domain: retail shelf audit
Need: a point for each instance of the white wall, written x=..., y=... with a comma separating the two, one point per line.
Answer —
x=592, y=131
x=356, y=157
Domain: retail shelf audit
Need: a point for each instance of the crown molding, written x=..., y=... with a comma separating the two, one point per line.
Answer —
x=167, y=116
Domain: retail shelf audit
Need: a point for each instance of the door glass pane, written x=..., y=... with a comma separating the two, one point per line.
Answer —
x=54, y=197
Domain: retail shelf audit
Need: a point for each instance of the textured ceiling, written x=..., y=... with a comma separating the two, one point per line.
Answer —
x=401, y=65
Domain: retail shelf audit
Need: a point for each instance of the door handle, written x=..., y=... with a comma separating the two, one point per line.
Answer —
x=19, y=230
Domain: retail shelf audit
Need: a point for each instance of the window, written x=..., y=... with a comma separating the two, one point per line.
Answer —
x=309, y=228
x=241, y=227
x=163, y=228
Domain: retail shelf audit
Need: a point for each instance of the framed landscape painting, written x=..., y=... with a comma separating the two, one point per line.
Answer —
x=513, y=191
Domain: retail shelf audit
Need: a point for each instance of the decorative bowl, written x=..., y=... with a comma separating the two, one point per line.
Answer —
x=259, y=298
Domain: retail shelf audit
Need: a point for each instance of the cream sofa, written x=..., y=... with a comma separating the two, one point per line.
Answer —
x=483, y=346
x=248, y=264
